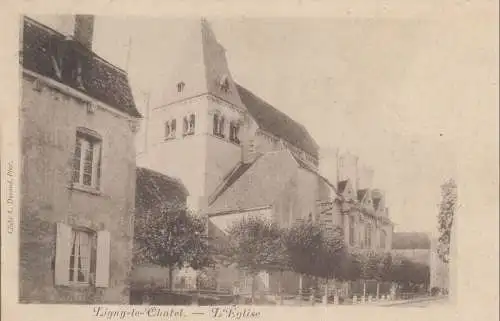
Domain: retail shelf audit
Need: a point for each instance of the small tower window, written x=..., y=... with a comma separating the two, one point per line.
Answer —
x=234, y=132
x=224, y=84
x=218, y=125
x=189, y=124
x=170, y=127
x=180, y=86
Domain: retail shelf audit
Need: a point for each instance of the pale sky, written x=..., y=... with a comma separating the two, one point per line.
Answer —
x=383, y=89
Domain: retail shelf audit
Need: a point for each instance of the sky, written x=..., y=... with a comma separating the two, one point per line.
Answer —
x=383, y=89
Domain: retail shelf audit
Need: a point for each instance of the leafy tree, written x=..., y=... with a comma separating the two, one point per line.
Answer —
x=304, y=245
x=384, y=268
x=172, y=237
x=350, y=267
x=257, y=244
x=369, y=267
x=447, y=210
x=332, y=253
x=407, y=273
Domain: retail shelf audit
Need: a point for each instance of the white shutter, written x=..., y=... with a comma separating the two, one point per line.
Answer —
x=103, y=256
x=63, y=252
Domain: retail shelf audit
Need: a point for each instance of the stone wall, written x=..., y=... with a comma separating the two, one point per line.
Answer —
x=49, y=120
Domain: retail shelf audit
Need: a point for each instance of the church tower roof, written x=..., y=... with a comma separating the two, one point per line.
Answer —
x=201, y=67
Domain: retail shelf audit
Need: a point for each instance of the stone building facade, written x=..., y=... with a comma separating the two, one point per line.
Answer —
x=78, y=121
x=238, y=155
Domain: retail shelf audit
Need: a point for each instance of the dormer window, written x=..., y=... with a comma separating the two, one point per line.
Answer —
x=218, y=125
x=189, y=124
x=180, y=86
x=170, y=128
x=234, y=130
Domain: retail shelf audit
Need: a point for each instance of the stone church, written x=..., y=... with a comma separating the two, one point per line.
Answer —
x=237, y=155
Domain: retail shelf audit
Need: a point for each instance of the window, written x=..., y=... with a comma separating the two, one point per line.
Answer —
x=82, y=256
x=189, y=124
x=382, y=239
x=218, y=125
x=87, y=160
x=351, y=231
x=180, y=86
x=79, y=260
x=170, y=127
x=368, y=236
x=234, y=130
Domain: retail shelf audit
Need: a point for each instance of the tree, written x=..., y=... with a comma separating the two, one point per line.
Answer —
x=384, y=268
x=172, y=237
x=447, y=210
x=332, y=253
x=369, y=267
x=350, y=267
x=257, y=244
x=407, y=273
x=304, y=245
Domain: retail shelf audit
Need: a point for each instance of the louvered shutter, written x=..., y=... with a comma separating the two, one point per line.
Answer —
x=63, y=252
x=103, y=256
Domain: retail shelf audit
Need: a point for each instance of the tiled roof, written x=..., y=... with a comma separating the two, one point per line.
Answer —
x=277, y=123
x=101, y=80
x=153, y=188
x=410, y=240
x=233, y=176
x=258, y=185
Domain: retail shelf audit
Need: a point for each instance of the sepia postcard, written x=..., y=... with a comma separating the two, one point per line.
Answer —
x=250, y=162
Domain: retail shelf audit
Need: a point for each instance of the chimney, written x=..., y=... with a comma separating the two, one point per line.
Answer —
x=84, y=30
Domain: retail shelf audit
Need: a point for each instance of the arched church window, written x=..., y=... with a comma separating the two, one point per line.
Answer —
x=186, y=125
x=218, y=125
x=191, y=123
x=167, y=129
x=234, y=129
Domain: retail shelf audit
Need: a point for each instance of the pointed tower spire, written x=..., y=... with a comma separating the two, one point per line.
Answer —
x=201, y=68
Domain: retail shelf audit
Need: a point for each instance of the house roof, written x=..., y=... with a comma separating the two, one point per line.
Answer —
x=153, y=188
x=257, y=185
x=277, y=123
x=101, y=80
x=410, y=240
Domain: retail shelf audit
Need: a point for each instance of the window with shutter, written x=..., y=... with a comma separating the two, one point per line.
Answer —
x=87, y=160
x=63, y=240
x=75, y=255
x=103, y=259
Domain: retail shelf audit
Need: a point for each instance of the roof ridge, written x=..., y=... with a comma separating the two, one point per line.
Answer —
x=269, y=105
